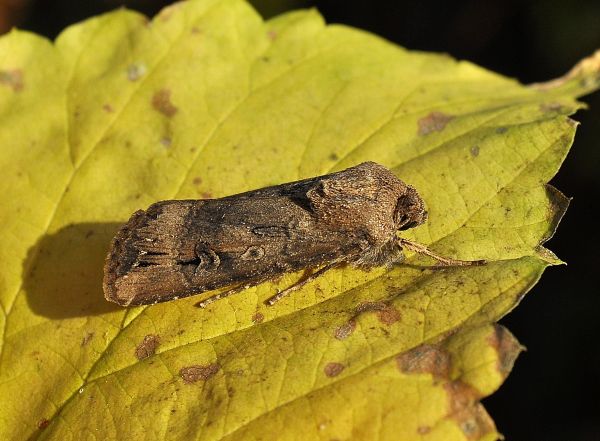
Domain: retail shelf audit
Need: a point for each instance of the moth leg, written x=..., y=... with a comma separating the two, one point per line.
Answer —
x=281, y=294
x=204, y=303
x=446, y=261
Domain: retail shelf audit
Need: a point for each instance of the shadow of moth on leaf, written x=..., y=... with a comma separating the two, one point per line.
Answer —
x=64, y=271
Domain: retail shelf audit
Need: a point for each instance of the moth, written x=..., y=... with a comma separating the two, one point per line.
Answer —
x=179, y=248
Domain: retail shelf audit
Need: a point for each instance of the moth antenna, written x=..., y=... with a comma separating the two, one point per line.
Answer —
x=446, y=261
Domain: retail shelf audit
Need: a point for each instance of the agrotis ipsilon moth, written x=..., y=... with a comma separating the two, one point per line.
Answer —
x=180, y=248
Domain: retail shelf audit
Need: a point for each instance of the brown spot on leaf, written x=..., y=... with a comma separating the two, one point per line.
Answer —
x=87, y=338
x=147, y=347
x=272, y=35
x=465, y=409
x=197, y=180
x=507, y=347
x=192, y=374
x=425, y=359
x=434, y=122
x=161, y=101
x=423, y=430
x=43, y=423
x=258, y=317
x=108, y=108
x=344, y=331
x=475, y=151
x=12, y=78
x=334, y=157
x=501, y=130
x=166, y=141
x=206, y=195
x=333, y=369
x=386, y=313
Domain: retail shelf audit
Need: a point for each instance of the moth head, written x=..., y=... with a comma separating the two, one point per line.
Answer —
x=410, y=210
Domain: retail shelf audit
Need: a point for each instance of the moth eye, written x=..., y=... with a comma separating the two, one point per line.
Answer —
x=409, y=225
x=403, y=222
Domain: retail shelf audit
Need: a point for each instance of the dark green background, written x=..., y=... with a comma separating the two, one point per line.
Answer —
x=554, y=390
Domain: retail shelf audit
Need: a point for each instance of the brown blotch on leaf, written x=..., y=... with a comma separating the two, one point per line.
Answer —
x=192, y=374
x=12, y=78
x=465, y=409
x=333, y=369
x=507, y=347
x=434, y=122
x=385, y=312
x=474, y=151
x=344, y=331
x=389, y=315
x=425, y=359
x=87, y=338
x=147, y=347
x=161, y=101
x=258, y=317
x=43, y=423
x=108, y=108
x=206, y=195
x=197, y=180
x=423, y=430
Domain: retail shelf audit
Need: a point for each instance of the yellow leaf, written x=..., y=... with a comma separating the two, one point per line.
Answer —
x=207, y=100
